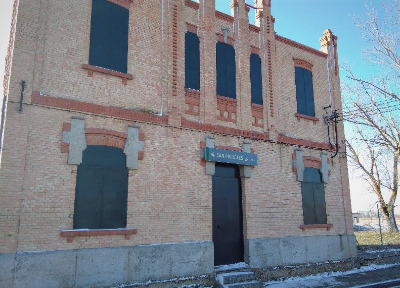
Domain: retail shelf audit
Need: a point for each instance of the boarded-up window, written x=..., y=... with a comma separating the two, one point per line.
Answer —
x=109, y=36
x=256, y=79
x=101, y=189
x=312, y=189
x=304, y=92
x=192, y=61
x=226, y=70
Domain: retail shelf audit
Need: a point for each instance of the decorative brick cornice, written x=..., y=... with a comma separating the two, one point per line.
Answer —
x=226, y=101
x=223, y=130
x=195, y=94
x=220, y=38
x=268, y=20
x=123, y=3
x=224, y=17
x=192, y=100
x=303, y=64
x=306, y=117
x=191, y=28
x=270, y=80
x=192, y=4
x=300, y=46
x=254, y=28
x=91, y=69
x=303, y=142
x=175, y=50
x=74, y=105
x=227, y=109
x=257, y=115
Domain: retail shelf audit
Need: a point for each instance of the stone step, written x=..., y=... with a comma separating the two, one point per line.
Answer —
x=249, y=284
x=235, y=277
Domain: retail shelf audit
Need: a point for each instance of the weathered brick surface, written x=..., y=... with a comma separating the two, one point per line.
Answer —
x=169, y=196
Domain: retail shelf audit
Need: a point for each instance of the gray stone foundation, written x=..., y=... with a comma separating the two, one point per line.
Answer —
x=267, y=252
x=105, y=267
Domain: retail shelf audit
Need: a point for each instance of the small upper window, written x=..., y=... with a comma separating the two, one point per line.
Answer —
x=304, y=92
x=109, y=36
x=192, y=61
x=313, y=192
x=256, y=79
x=226, y=70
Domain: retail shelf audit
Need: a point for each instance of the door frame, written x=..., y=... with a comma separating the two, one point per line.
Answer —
x=241, y=208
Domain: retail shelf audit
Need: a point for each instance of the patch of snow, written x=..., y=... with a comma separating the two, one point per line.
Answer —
x=324, y=279
x=166, y=281
x=239, y=265
x=384, y=283
x=382, y=251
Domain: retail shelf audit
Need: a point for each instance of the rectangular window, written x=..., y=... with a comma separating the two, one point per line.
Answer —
x=313, y=192
x=109, y=36
x=226, y=70
x=256, y=79
x=304, y=92
x=192, y=61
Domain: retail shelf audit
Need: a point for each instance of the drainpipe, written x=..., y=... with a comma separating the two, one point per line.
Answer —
x=3, y=121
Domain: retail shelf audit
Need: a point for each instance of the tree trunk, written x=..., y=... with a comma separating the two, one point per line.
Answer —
x=390, y=219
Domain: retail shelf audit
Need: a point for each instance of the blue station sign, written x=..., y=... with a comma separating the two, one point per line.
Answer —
x=230, y=156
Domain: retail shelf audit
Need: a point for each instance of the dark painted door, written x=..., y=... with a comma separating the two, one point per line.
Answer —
x=227, y=215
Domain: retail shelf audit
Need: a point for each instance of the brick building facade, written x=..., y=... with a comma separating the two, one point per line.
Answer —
x=156, y=92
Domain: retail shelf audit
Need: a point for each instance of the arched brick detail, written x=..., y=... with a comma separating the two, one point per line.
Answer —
x=302, y=63
x=308, y=162
x=105, y=137
x=312, y=162
x=191, y=28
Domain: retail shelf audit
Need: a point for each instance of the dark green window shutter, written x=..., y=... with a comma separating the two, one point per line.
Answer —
x=300, y=91
x=101, y=189
x=221, y=69
x=313, y=194
x=192, y=61
x=256, y=79
x=319, y=203
x=226, y=70
x=304, y=91
x=308, y=203
x=309, y=93
x=109, y=36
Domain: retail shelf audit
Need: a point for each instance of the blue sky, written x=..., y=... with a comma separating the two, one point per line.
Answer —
x=305, y=20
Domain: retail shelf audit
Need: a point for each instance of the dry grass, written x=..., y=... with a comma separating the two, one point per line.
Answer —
x=371, y=239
